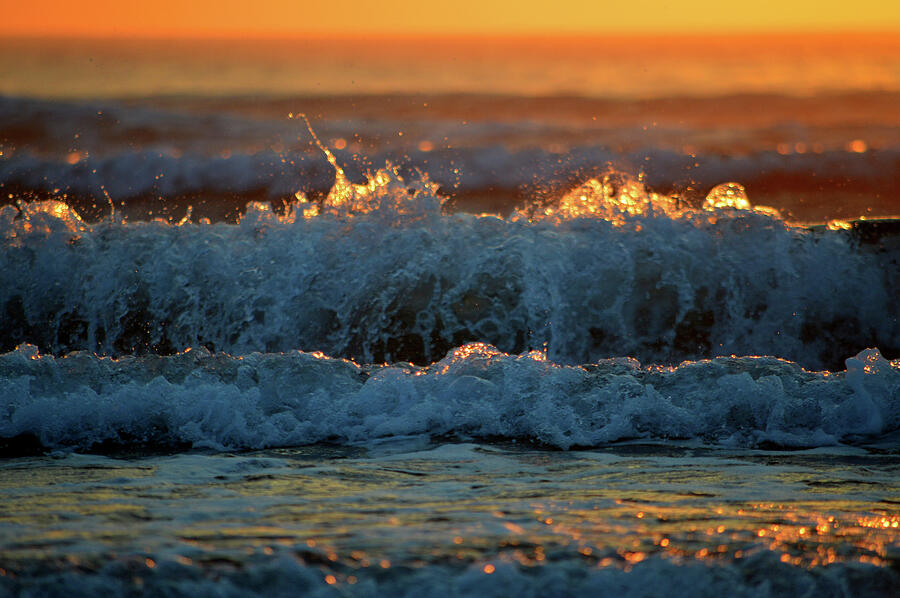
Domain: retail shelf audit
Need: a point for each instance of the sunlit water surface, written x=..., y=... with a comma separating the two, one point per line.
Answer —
x=380, y=514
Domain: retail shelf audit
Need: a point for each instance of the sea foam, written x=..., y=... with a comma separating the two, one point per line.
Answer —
x=267, y=400
x=378, y=272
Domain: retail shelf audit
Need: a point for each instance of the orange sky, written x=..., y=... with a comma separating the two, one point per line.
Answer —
x=297, y=17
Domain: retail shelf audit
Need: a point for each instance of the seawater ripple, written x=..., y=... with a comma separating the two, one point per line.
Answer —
x=284, y=576
x=217, y=401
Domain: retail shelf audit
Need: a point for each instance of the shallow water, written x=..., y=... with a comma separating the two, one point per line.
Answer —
x=406, y=516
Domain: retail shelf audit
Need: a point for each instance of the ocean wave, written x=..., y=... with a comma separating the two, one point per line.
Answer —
x=377, y=272
x=259, y=400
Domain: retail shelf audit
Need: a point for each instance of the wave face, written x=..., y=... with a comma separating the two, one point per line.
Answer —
x=377, y=272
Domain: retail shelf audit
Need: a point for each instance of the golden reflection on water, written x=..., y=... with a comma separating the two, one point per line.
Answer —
x=526, y=508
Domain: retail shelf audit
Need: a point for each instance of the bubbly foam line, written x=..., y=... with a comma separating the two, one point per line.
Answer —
x=266, y=400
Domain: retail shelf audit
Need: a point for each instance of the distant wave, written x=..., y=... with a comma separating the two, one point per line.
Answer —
x=816, y=154
x=136, y=178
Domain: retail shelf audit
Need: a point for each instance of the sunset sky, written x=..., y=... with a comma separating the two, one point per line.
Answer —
x=286, y=17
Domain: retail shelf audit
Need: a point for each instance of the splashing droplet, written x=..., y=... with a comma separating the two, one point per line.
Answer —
x=727, y=195
x=385, y=191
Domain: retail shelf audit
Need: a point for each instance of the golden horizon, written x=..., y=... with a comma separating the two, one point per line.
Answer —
x=389, y=18
x=502, y=36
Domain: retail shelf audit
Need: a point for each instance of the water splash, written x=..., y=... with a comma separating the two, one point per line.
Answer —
x=619, y=198
x=40, y=218
x=384, y=191
x=727, y=195
x=614, y=197
x=377, y=272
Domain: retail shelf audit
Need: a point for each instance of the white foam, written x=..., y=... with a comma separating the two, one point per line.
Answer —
x=266, y=400
x=399, y=280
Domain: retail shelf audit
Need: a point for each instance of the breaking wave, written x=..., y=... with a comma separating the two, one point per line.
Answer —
x=378, y=272
x=259, y=400
x=189, y=333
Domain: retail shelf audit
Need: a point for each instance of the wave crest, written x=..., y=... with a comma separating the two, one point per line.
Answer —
x=377, y=272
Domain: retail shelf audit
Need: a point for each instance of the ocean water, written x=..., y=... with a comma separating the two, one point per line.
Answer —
x=438, y=317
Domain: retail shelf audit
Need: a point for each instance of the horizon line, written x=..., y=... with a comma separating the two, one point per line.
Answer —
x=132, y=35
